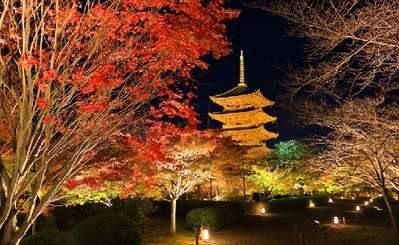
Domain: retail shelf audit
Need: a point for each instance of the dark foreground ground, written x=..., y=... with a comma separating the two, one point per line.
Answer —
x=286, y=229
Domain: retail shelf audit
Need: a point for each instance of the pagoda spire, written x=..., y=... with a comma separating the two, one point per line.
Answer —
x=242, y=70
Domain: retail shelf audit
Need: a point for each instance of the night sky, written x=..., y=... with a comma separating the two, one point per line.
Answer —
x=267, y=49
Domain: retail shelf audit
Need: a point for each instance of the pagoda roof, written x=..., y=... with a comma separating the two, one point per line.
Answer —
x=251, y=136
x=243, y=119
x=241, y=88
x=242, y=101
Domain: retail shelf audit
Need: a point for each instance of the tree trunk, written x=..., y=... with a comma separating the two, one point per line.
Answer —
x=173, y=217
x=9, y=230
x=388, y=202
x=210, y=190
x=244, y=186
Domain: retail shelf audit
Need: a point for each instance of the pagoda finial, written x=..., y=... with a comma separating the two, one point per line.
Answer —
x=242, y=70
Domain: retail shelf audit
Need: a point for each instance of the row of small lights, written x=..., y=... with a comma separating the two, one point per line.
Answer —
x=336, y=219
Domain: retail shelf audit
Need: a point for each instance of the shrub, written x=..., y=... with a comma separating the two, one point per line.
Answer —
x=107, y=229
x=135, y=209
x=212, y=218
x=50, y=237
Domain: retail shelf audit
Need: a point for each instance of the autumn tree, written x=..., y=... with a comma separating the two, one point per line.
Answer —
x=283, y=169
x=362, y=147
x=181, y=157
x=225, y=167
x=73, y=73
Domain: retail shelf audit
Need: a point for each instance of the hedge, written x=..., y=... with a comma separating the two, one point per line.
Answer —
x=50, y=237
x=135, y=209
x=184, y=206
x=213, y=218
x=295, y=203
x=107, y=229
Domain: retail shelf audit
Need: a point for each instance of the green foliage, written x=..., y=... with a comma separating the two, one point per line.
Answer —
x=212, y=218
x=290, y=154
x=107, y=229
x=82, y=195
x=267, y=181
x=284, y=170
x=295, y=203
x=50, y=237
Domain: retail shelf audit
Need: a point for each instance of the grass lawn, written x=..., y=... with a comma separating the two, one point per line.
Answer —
x=277, y=229
x=353, y=235
x=157, y=232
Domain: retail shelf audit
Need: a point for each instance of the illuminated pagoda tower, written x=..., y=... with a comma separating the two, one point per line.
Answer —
x=243, y=117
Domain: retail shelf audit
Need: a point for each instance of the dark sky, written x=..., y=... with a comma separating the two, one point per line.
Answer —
x=267, y=48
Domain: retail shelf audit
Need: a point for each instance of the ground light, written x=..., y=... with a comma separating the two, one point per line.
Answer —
x=357, y=208
x=263, y=210
x=336, y=220
x=330, y=200
x=205, y=234
x=366, y=203
x=371, y=200
x=311, y=204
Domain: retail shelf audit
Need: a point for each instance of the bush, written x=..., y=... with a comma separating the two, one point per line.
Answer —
x=50, y=237
x=212, y=218
x=107, y=229
x=135, y=209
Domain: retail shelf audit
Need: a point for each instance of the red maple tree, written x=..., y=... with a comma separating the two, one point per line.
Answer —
x=74, y=73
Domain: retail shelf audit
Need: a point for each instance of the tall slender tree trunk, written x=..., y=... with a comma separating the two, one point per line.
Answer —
x=244, y=187
x=392, y=215
x=210, y=190
x=173, y=204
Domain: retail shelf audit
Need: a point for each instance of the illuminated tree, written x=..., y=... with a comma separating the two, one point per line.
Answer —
x=73, y=74
x=351, y=45
x=226, y=167
x=283, y=168
x=266, y=182
x=362, y=147
x=181, y=158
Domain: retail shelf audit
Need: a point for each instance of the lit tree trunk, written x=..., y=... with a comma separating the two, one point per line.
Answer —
x=210, y=190
x=9, y=229
x=244, y=186
x=173, y=216
x=388, y=202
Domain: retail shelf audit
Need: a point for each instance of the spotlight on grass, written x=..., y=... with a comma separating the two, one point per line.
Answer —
x=336, y=220
x=366, y=203
x=311, y=204
x=330, y=200
x=357, y=208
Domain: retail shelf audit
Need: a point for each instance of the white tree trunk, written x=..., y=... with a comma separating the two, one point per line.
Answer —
x=173, y=216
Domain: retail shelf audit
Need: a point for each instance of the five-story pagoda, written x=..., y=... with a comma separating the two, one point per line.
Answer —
x=243, y=117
